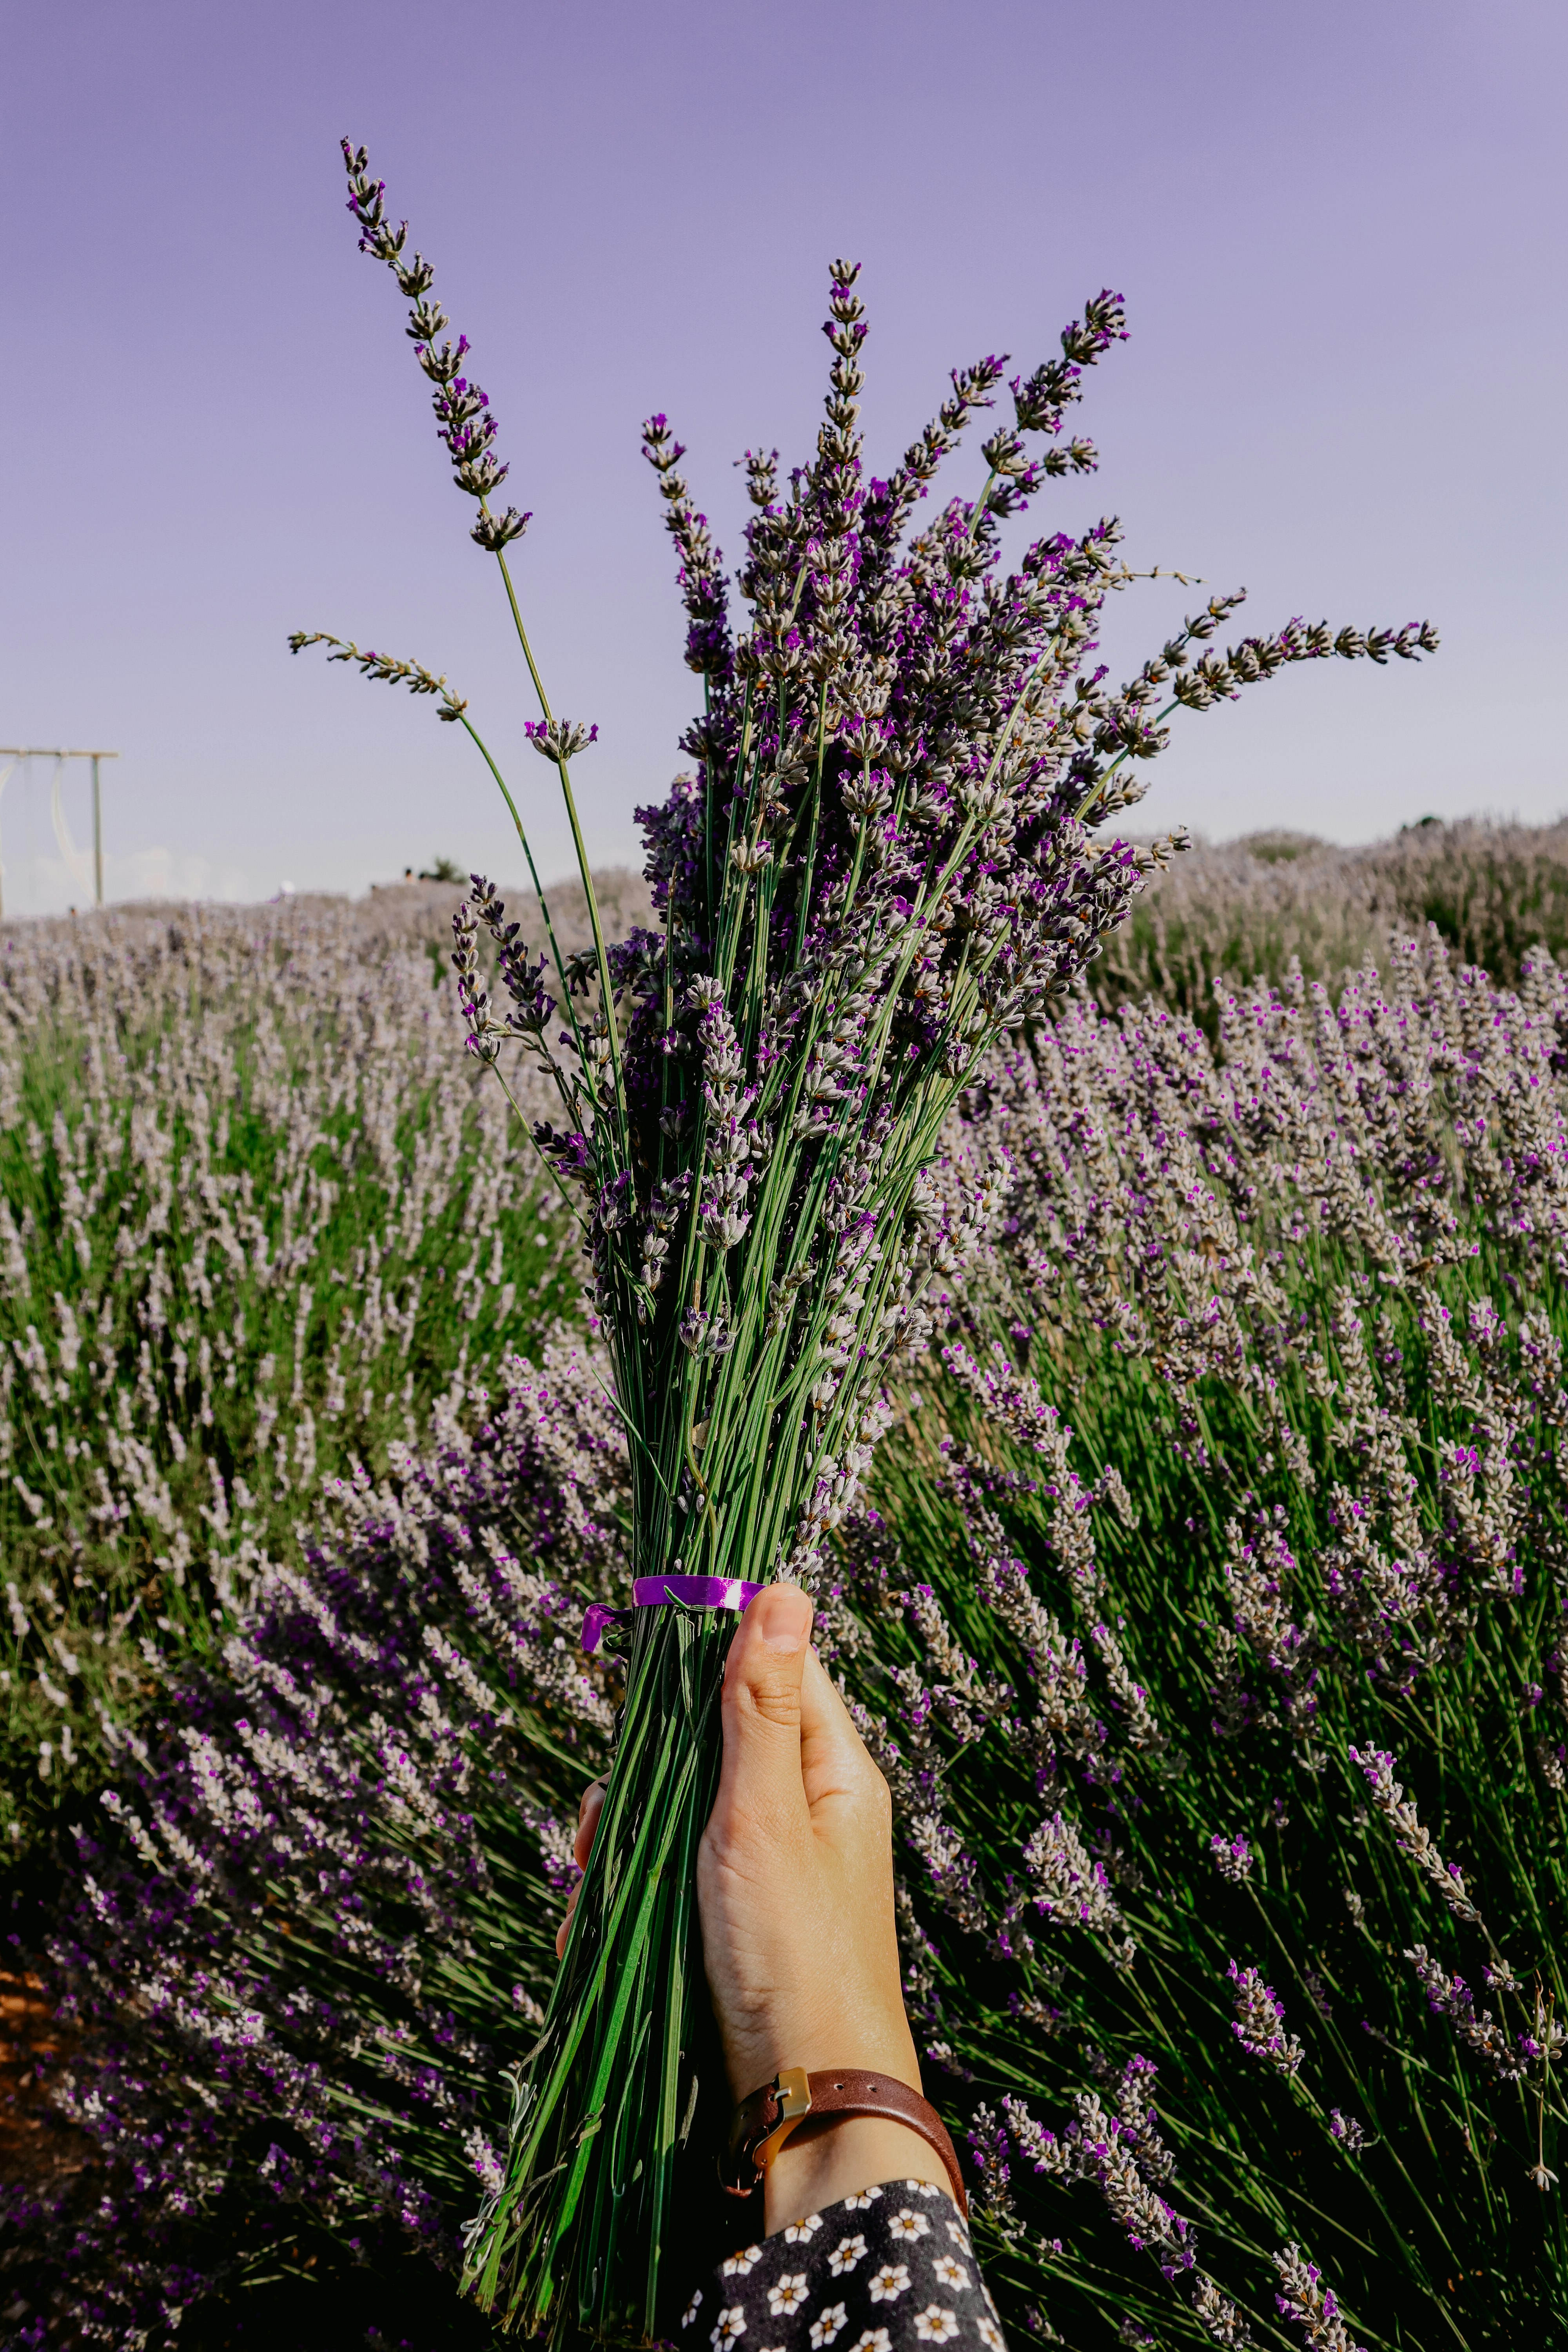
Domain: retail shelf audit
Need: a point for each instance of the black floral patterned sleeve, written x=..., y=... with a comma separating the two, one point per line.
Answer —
x=887, y=2270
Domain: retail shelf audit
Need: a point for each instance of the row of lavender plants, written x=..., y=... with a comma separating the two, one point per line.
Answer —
x=1231, y=911
x=1208, y=1628
x=252, y=1224
x=317, y=1917
x=1227, y=1710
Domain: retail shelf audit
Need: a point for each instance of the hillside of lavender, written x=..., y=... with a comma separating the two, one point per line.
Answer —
x=1206, y=1618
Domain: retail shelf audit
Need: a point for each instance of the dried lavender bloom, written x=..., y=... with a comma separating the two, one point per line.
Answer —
x=988, y=2147
x=1143, y=1733
x=1349, y=2133
x=1259, y=2021
x=558, y=739
x=1233, y=1860
x=1317, y=1992
x=1391, y=1802
x=1545, y=2038
x=1121, y=2152
x=1304, y=2299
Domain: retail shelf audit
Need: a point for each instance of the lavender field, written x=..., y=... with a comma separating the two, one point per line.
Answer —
x=256, y=1219
x=1205, y=1619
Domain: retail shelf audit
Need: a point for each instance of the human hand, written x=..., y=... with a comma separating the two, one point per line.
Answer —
x=795, y=1882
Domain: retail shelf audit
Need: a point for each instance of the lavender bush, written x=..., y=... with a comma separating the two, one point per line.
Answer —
x=1212, y=1636
x=251, y=1225
x=319, y=1914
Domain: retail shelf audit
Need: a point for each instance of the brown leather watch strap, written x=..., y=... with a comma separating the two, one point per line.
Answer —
x=762, y=2123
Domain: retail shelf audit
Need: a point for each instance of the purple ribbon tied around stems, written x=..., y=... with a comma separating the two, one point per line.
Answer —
x=655, y=1592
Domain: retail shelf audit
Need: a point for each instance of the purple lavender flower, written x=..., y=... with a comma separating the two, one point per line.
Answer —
x=1259, y=2021
x=463, y=415
x=1305, y=2300
x=1450, y=1997
x=1232, y=1859
x=1411, y=1838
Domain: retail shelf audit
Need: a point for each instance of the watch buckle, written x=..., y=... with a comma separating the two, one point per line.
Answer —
x=792, y=2093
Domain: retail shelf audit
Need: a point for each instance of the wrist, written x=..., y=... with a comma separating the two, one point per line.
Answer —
x=830, y=2158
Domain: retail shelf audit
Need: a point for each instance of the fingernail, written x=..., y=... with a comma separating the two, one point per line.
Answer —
x=782, y=1624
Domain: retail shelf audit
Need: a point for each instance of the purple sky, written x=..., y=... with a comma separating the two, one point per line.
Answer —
x=1339, y=228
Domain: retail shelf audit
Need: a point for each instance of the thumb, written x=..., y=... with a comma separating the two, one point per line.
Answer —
x=762, y=1703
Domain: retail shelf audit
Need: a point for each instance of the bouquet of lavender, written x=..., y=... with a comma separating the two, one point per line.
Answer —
x=881, y=859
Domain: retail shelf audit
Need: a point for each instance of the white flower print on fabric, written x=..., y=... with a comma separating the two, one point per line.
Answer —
x=881, y=2253
x=934, y=2325
x=692, y=2308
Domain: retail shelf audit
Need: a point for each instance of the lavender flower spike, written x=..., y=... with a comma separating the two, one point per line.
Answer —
x=1233, y=1861
x=559, y=738
x=1411, y=1838
x=1451, y=1996
x=1259, y=2021
x=463, y=415
x=386, y=668
x=1313, y=2306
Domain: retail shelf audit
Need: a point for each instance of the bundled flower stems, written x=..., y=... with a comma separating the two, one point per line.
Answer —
x=882, y=856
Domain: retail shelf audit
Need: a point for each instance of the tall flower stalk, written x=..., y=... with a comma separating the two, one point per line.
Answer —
x=883, y=857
